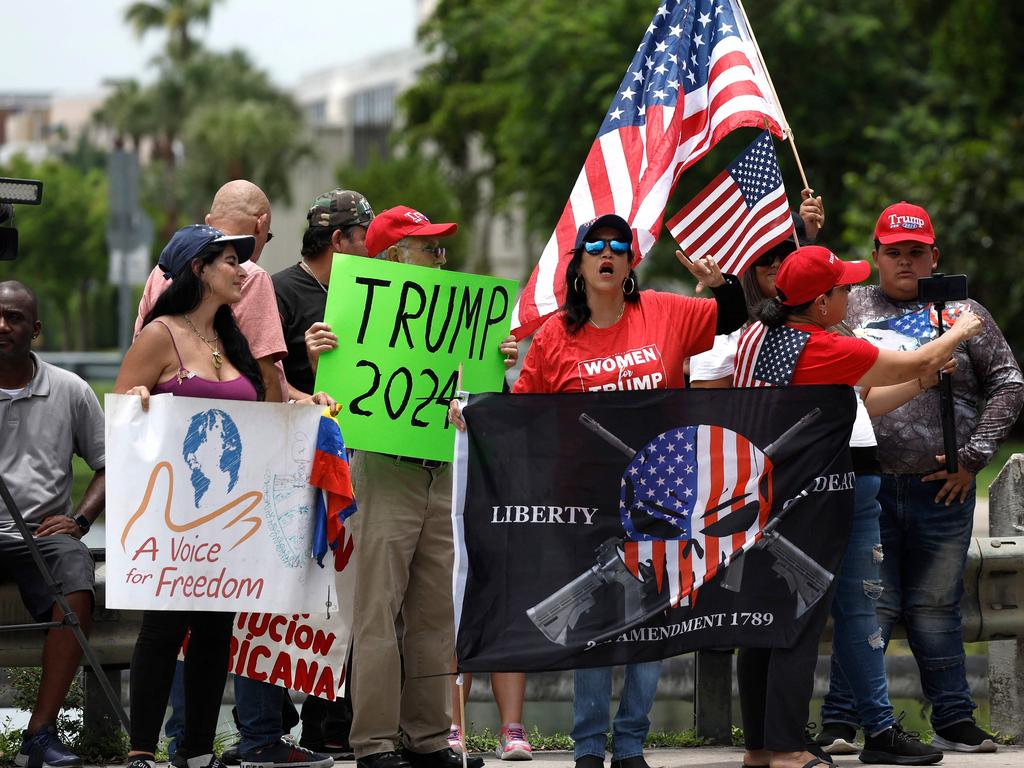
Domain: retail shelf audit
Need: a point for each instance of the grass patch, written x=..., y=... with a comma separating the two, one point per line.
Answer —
x=486, y=740
x=988, y=474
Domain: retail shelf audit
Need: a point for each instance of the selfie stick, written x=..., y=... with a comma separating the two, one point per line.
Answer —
x=946, y=406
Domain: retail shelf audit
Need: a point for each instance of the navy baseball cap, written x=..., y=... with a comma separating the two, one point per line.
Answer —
x=195, y=240
x=608, y=220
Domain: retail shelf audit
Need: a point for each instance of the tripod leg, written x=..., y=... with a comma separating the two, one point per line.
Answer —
x=70, y=618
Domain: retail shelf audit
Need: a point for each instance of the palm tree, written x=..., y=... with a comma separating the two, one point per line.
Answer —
x=177, y=17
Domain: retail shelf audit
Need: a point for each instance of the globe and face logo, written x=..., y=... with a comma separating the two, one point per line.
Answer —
x=212, y=449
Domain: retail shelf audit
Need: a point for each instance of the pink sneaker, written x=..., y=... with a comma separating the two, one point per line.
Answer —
x=513, y=744
x=455, y=740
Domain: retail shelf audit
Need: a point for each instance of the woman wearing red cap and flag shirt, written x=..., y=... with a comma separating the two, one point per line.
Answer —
x=813, y=288
x=606, y=317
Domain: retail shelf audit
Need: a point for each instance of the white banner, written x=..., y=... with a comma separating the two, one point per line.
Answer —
x=302, y=652
x=209, y=507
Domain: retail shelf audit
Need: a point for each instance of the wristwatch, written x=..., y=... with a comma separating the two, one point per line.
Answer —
x=83, y=522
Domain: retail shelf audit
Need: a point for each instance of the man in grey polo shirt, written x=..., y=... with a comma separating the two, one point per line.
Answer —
x=46, y=414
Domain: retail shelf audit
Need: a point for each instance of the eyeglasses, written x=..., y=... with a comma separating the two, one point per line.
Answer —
x=437, y=252
x=270, y=235
x=594, y=247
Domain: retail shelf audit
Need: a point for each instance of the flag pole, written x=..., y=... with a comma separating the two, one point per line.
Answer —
x=796, y=237
x=768, y=77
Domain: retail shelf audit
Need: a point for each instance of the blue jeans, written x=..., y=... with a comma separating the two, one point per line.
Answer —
x=591, y=708
x=175, y=727
x=925, y=546
x=858, y=653
x=259, y=707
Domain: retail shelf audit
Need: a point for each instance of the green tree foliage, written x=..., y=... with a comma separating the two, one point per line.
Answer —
x=63, y=253
x=176, y=17
x=208, y=118
x=913, y=99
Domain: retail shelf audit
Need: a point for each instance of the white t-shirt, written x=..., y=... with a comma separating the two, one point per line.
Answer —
x=717, y=362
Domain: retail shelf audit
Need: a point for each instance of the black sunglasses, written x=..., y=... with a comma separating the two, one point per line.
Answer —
x=767, y=259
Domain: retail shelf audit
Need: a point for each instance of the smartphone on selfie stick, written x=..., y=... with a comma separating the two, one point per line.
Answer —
x=937, y=290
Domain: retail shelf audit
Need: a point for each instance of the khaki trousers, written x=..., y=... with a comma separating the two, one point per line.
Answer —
x=404, y=553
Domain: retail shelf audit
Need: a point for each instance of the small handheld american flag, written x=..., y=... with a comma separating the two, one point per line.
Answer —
x=739, y=215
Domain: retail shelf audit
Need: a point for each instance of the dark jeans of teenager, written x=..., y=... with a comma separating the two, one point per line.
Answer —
x=925, y=546
x=206, y=670
x=776, y=686
x=858, y=650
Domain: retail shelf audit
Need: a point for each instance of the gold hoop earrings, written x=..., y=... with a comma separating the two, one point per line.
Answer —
x=632, y=286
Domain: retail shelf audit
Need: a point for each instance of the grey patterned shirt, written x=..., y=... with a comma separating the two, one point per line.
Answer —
x=988, y=389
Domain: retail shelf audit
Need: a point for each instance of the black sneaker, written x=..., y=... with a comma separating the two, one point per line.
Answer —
x=837, y=739
x=895, y=746
x=964, y=736
x=232, y=755
x=284, y=754
x=383, y=760
x=811, y=745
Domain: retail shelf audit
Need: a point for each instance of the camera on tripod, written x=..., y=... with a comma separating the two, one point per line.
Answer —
x=15, y=192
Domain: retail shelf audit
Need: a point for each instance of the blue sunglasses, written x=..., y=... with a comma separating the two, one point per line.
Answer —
x=594, y=247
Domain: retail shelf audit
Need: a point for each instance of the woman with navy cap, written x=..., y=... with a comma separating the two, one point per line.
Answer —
x=812, y=288
x=190, y=346
x=605, y=317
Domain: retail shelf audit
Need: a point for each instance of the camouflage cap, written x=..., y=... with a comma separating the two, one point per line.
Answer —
x=339, y=208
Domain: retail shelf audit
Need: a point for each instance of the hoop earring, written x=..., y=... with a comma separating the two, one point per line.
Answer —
x=576, y=285
x=632, y=286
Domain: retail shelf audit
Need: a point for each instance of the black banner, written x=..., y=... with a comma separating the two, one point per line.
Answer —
x=611, y=527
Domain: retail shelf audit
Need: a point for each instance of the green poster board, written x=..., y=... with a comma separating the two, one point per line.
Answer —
x=402, y=333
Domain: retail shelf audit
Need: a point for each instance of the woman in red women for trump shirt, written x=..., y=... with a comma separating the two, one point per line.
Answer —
x=610, y=335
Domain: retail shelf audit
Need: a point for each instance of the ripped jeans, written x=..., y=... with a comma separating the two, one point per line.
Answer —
x=858, y=692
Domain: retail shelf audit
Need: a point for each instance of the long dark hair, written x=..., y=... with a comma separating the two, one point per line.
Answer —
x=576, y=310
x=184, y=294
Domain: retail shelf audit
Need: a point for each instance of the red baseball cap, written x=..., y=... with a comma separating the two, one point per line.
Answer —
x=813, y=270
x=390, y=226
x=904, y=221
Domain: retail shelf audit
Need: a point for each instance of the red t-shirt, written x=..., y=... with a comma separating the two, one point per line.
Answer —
x=827, y=357
x=645, y=349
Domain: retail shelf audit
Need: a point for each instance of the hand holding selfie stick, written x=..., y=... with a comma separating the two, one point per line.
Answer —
x=938, y=289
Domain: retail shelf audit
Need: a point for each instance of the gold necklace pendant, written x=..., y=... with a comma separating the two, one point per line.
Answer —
x=217, y=362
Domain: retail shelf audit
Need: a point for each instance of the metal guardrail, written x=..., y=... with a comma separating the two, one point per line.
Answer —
x=89, y=365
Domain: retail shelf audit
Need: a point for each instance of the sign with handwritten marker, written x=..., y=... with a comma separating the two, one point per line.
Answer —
x=402, y=333
x=209, y=507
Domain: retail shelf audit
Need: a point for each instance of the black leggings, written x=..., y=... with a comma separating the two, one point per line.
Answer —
x=206, y=670
x=776, y=685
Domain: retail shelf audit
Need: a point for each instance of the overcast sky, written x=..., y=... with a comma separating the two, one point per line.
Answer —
x=70, y=46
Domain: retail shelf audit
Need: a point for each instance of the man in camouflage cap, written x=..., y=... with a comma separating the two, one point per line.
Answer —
x=337, y=224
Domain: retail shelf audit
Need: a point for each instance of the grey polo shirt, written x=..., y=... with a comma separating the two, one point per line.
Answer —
x=56, y=416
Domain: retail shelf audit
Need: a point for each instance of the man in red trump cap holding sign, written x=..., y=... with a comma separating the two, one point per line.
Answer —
x=404, y=555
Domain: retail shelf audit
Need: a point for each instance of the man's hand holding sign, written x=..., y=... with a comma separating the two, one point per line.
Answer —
x=396, y=335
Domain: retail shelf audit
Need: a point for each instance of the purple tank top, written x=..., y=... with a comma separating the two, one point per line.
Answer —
x=188, y=384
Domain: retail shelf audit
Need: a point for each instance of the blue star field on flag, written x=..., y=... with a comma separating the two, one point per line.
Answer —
x=674, y=53
x=780, y=349
x=661, y=481
x=756, y=171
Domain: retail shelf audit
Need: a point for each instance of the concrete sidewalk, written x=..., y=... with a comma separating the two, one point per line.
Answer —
x=732, y=757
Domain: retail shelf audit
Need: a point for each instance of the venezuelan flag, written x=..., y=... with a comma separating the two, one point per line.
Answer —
x=334, y=499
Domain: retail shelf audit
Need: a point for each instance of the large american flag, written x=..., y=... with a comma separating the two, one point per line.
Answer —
x=678, y=479
x=695, y=77
x=739, y=215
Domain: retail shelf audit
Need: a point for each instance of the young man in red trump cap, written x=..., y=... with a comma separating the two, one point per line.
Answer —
x=927, y=514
